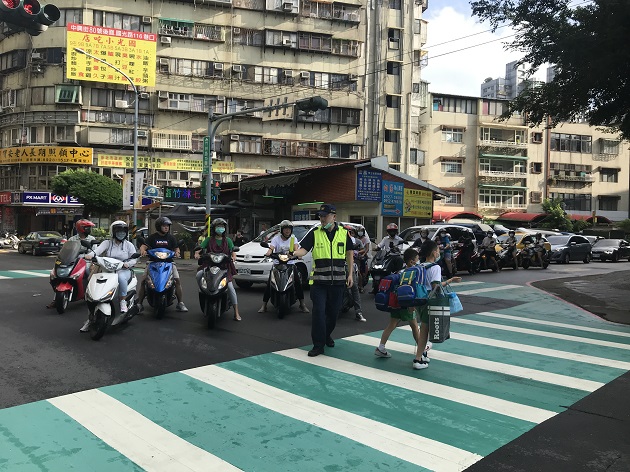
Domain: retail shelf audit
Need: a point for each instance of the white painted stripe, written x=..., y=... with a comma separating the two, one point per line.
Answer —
x=468, y=282
x=32, y=274
x=145, y=443
x=410, y=447
x=542, y=334
x=571, y=356
x=487, y=289
x=465, y=397
x=492, y=366
x=2, y=277
x=589, y=329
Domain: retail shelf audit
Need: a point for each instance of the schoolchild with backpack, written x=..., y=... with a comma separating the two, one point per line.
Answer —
x=411, y=258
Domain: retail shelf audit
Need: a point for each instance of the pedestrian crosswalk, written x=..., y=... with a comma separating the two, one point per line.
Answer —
x=502, y=372
x=23, y=274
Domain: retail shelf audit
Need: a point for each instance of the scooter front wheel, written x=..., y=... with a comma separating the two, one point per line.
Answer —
x=61, y=301
x=159, y=307
x=212, y=312
x=99, y=325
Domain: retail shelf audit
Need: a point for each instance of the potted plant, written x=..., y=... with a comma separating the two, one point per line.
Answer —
x=186, y=243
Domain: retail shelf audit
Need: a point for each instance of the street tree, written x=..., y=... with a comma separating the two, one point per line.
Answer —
x=98, y=193
x=587, y=42
x=556, y=216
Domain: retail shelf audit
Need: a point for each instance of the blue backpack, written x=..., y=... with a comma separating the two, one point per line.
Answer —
x=412, y=289
x=385, y=297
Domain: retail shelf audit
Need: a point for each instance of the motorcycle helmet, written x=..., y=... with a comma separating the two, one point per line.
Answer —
x=392, y=229
x=119, y=230
x=538, y=235
x=424, y=233
x=217, y=222
x=490, y=234
x=161, y=221
x=84, y=226
x=511, y=232
x=350, y=230
x=285, y=224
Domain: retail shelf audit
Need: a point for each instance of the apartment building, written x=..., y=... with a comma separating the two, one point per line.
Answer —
x=491, y=167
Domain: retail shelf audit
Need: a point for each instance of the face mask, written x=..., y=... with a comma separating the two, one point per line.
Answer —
x=220, y=230
x=87, y=231
x=361, y=233
x=438, y=258
x=120, y=235
x=327, y=226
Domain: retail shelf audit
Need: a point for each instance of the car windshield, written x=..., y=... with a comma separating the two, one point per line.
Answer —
x=48, y=234
x=607, y=242
x=558, y=240
x=298, y=230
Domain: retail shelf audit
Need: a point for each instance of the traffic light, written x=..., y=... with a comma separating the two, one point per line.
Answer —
x=312, y=104
x=28, y=15
x=216, y=188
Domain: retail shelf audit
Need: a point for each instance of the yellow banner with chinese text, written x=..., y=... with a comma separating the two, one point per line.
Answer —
x=133, y=52
x=418, y=203
x=46, y=155
x=148, y=162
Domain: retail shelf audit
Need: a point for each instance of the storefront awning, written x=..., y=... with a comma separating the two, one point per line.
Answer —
x=525, y=217
x=439, y=215
x=271, y=181
x=589, y=219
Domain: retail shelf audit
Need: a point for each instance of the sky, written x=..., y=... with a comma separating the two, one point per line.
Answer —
x=462, y=73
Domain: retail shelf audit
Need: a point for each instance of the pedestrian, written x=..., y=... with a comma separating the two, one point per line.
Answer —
x=332, y=250
x=431, y=254
x=239, y=239
x=411, y=258
x=354, y=290
x=263, y=228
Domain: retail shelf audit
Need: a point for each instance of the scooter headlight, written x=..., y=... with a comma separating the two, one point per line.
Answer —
x=223, y=283
x=204, y=283
x=283, y=257
x=217, y=258
x=63, y=271
x=378, y=266
x=150, y=283
x=161, y=255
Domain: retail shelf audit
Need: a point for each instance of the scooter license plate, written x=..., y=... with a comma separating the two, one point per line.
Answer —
x=244, y=271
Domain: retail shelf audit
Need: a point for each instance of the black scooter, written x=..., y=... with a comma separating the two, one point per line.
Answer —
x=283, y=278
x=385, y=263
x=213, y=283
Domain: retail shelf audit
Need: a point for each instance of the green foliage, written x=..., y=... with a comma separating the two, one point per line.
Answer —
x=556, y=216
x=188, y=241
x=584, y=41
x=98, y=193
x=581, y=225
x=625, y=225
x=100, y=233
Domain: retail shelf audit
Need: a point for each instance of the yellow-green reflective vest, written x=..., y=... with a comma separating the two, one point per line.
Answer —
x=329, y=257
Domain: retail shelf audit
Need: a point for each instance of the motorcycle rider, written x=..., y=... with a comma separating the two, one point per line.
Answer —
x=510, y=242
x=218, y=242
x=488, y=246
x=285, y=242
x=467, y=249
x=84, y=228
x=446, y=251
x=539, y=248
x=364, y=255
x=162, y=238
x=392, y=239
x=117, y=247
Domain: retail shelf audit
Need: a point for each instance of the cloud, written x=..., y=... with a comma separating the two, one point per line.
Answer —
x=463, y=72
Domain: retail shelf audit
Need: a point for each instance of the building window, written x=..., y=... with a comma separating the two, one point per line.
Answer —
x=68, y=15
x=501, y=198
x=573, y=201
x=494, y=107
x=609, y=175
x=393, y=37
x=395, y=4
x=416, y=156
x=609, y=146
x=455, y=105
x=393, y=68
x=451, y=167
x=452, y=135
x=608, y=203
x=416, y=27
x=393, y=101
x=455, y=197
x=68, y=94
x=571, y=143
x=391, y=136
x=536, y=168
x=120, y=21
x=535, y=197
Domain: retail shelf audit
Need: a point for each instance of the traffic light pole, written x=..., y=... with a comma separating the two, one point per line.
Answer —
x=214, y=120
x=135, y=133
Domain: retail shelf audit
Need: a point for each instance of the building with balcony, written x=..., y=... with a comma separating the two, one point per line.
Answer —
x=491, y=166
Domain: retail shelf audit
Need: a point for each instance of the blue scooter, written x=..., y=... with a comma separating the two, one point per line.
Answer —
x=159, y=283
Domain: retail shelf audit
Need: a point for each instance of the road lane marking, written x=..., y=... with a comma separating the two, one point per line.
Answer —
x=498, y=367
x=542, y=334
x=465, y=397
x=412, y=448
x=145, y=443
x=488, y=289
x=590, y=329
x=32, y=273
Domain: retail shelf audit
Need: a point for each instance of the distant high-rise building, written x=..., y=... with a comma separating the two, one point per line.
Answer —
x=509, y=87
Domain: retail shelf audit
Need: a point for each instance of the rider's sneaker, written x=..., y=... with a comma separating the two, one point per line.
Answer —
x=359, y=317
x=181, y=307
x=381, y=353
x=425, y=357
x=123, y=306
x=418, y=365
x=86, y=327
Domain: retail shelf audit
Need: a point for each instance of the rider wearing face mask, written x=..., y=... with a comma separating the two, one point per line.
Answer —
x=392, y=239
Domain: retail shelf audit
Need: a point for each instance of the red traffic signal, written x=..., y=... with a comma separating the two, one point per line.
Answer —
x=28, y=15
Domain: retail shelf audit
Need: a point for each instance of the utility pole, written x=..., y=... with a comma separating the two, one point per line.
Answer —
x=214, y=120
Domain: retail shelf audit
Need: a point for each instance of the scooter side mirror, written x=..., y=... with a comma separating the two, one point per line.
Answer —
x=264, y=244
x=236, y=249
x=135, y=255
x=87, y=244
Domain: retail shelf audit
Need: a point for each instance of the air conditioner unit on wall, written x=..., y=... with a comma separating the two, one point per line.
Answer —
x=122, y=104
x=163, y=94
x=287, y=6
x=218, y=66
x=234, y=137
x=144, y=95
x=236, y=31
x=305, y=75
x=165, y=40
x=287, y=73
x=353, y=77
x=164, y=61
x=237, y=68
x=142, y=133
x=286, y=42
x=356, y=148
x=146, y=20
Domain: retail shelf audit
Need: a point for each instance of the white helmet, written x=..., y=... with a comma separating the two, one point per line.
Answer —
x=119, y=230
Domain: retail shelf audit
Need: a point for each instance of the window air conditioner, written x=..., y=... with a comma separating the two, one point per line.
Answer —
x=163, y=94
x=142, y=133
x=165, y=40
x=305, y=75
x=234, y=137
x=146, y=20
x=353, y=77
x=236, y=31
x=356, y=148
x=164, y=61
x=237, y=68
x=220, y=98
x=287, y=6
x=287, y=73
x=122, y=104
x=286, y=42
x=143, y=95
x=36, y=56
x=218, y=66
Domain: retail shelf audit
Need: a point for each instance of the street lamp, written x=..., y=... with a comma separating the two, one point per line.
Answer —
x=135, y=129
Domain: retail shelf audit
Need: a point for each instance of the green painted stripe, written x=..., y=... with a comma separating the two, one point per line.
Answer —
x=16, y=275
x=551, y=329
x=508, y=356
x=38, y=437
x=550, y=343
x=514, y=389
x=441, y=420
x=244, y=434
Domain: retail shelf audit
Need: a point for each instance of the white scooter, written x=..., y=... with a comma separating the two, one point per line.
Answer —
x=102, y=294
x=9, y=241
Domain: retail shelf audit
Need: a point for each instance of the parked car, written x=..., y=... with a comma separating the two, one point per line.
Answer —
x=565, y=249
x=41, y=242
x=253, y=267
x=611, y=250
x=409, y=235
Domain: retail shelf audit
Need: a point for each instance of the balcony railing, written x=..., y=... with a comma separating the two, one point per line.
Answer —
x=502, y=206
x=574, y=178
x=503, y=174
x=512, y=144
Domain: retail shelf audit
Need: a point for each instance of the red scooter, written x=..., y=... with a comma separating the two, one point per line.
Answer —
x=69, y=276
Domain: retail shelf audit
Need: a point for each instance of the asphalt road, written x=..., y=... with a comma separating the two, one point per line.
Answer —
x=44, y=355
